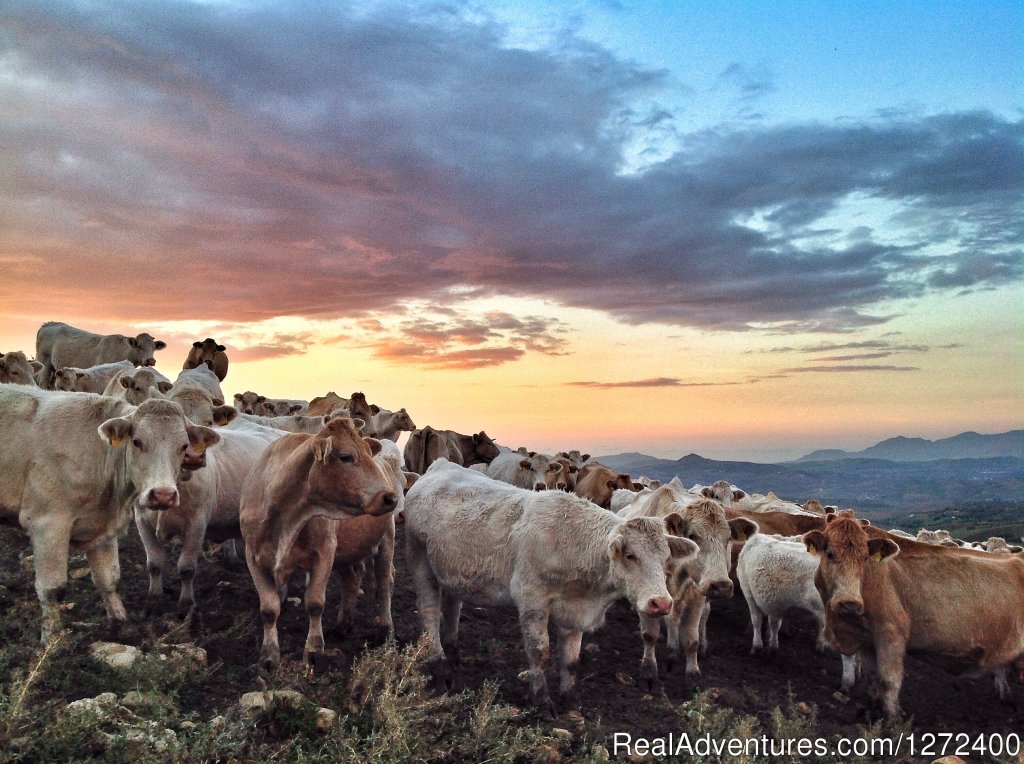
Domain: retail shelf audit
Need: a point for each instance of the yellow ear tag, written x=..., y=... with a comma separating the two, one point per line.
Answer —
x=742, y=537
x=877, y=557
x=199, y=447
x=115, y=442
x=318, y=454
x=812, y=550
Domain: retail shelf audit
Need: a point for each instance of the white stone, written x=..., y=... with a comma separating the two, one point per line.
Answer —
x=115, y=655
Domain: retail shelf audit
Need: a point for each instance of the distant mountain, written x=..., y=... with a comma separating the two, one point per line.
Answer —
x=873, y=486
x=966, y=445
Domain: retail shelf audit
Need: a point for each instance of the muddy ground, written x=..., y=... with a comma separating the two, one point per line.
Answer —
x=227, y=626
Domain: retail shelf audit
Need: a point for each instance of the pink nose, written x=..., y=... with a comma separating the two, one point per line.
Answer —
x=162, y=498
x=658, y=606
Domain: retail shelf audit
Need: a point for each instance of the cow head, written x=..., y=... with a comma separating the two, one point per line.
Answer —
x=16, y=369
x=344, y=476
x=143, y=347
x=143, y=384
x=484, y=448
x=704, y=523
x=844, y=552
x=249, y=402
x=155, y=439
x=639, y=550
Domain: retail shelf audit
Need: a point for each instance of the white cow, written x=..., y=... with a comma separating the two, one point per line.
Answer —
x=535, y=471
x=388, y=425
x=16, y=369
x=59, y=344
x=91, y=380
x=553, y=555
x=71, y=467
x=137, y=385
x=293, y=423
x=198, y=392
x=776, y=574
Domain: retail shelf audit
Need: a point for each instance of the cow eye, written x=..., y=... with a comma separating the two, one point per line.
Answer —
x=831, y=557
x=694, y=538
x=630, y=556
x=137, y=443
x=346, y=458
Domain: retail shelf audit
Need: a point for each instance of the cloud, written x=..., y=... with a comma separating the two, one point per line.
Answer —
x=248, y=161
x=843, y=369
x=653, y=382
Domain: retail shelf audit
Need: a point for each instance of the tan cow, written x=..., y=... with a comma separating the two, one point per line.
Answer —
x=208, y=352
x=249, y=403
x=692, y=582
x=282, y=407
x=892, y=595
x=299, y=476
x=71, y=467
x=597, y=482
x=16, y=369
x=388, y=425
x=355, y=408
x=426, y=446
x=59, y=344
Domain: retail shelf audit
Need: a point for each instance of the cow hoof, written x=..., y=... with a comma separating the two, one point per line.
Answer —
x=570, y=700
x=440, y=675
x=546, y=710
x=184, y=610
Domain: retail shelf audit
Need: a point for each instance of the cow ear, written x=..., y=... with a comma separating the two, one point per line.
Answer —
x=615, y=547
x=863, y=521
x=261, y=398
x=638, y=486
x=830, y=517
x=737, y=495
x=524, y=465
x=238, y=396
x=610, y=484
x=585, y=457
x=675, y=524
x=295, y=408
x=815, y=542
x=707, y=493
x=321, y=448
x=79, y=374
x=410, y=479
x=133, y=342
x=879, y=549
x=125, y=381
x=197, y=344
x=829, y=512
x=681, y=548
x=374, y=408
x=200, y=438
x=742, y=528
x=116, y=431
x=374, y=444
x=223, y=414
x=164, y=387
x=358, y=423
x=221, y=348
x=555, y=467
x=36, y=366
x=159, y=345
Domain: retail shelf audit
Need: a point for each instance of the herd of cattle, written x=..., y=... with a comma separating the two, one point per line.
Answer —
x=91, y=435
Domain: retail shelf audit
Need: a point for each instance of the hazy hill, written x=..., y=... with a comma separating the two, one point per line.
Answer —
x=966, y=445
x=874, y=486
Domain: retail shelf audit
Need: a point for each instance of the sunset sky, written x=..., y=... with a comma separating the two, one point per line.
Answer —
x=742, y=229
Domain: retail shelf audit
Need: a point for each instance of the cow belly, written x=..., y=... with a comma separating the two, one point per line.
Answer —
x=581, y=614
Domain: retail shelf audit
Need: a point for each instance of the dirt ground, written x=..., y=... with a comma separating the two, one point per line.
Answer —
x=227, y=626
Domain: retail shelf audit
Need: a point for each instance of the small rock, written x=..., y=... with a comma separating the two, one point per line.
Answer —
x=134, y=699
x=949, y=760
x=804, y=708
x=115, y=655
x=218, y=723
x=78, y=574
x=190, y=652
x=624, y=678
x=647, y=697
x=155, y=739
x=600, y=753
x=325, y=719
x=258, y=701
x=523, y=676
x=102, y=702
x=28, y=563
x=187, y=726
x=577, y=719
x=839, y=697
x=294, y=601
x=561, y=732
x=591, y=648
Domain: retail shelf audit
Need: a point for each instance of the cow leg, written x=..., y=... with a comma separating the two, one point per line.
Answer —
x=451, y=612
x=569, y=642
x=1002, y=683
x=106, y=574
x=851, y=665
x=650, y=632
x=384, y=579
x=821, y=644
x=349, y=597
x=702, y=644
x=757, y=622
x=534, y=624
x=51, y=539
x=316, y=598
x=156, y=559
x=889, y=652
x=428, y=602
x=270, y=609
x=774, y=624
x=188, y=560
x=687, y=636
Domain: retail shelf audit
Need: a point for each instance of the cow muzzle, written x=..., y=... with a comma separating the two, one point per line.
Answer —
x=382, y=503
x=539, y=486
x=161, y=498
x=150, y=362
x=848, y=608
x=658, y=606
x=716, y=590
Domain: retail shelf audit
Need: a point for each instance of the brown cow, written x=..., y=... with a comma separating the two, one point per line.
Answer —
x=299, y=476
x=598, y=482
x=892, y=595
x=210, y=352
x=426, y=446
